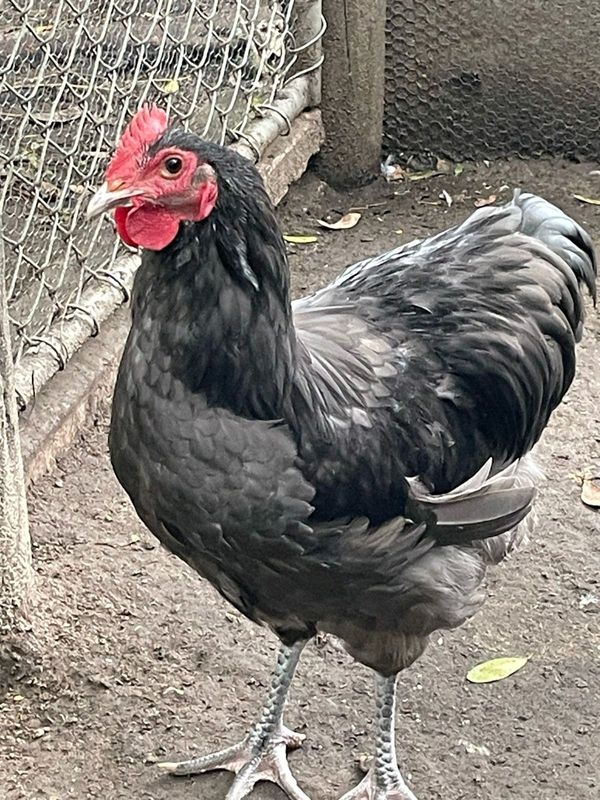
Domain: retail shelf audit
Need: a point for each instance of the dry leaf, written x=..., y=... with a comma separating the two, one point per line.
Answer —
x=590, y=491
x=592, y=201
x=422, y=176
x=485, y=201
x=57, y=116
x=171, y=87
x=300, y=239
x=343, y=224
x=496, y=670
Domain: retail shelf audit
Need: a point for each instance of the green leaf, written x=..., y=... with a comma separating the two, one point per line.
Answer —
x=458, y=169
x=496, y=670
x=300, y=239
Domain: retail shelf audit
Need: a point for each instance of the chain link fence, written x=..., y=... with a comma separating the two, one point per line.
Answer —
x=493, y=78
x=72, y=72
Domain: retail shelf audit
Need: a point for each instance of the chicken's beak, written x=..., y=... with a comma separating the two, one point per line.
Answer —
x=108, y=197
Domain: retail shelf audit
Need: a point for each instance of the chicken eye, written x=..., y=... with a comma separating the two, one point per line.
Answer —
x=172, y=165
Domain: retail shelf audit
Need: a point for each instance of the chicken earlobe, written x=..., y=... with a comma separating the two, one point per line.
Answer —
x=261, y=756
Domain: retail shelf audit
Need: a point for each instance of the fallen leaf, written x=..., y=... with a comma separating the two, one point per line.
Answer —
x=422, y=176
x=496, y=670
x=458, y=169
x=592, y=201
x=485, y=201
x=171, y=86
x=590, y=491
x=300, y=239
x=343, y=224
x=57, y=116
x=399, y=231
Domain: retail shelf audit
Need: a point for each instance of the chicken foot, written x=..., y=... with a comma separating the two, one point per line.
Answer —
x=383, y=781
x=261, y=756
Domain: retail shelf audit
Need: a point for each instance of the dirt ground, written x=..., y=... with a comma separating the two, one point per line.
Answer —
x=133, y=659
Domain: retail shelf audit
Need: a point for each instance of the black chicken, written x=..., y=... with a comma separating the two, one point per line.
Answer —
x=348, y=463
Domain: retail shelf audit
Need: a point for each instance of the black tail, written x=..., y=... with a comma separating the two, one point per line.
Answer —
x=561, y=234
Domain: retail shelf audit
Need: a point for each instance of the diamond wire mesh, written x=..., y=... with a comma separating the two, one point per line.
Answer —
x=493, y=78
x=71, y=74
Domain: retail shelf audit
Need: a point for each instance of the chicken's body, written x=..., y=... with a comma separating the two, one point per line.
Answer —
x=313, y=461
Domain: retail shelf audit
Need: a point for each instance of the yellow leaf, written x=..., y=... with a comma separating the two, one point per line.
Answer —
x=496, y=670
x=590, y=492
x=345, y=222
x=592, y=201
x=300, y=239
x=171, y=87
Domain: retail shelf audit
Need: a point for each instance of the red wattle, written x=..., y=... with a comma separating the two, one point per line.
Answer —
x=153, y=227
x=147, y=226
x=121, y=214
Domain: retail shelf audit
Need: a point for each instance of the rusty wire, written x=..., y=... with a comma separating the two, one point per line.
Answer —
x=71, y=74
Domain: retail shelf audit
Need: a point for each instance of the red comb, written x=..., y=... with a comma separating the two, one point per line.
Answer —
x=145, y=128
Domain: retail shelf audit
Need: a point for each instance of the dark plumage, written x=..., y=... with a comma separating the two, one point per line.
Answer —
x=311, y=459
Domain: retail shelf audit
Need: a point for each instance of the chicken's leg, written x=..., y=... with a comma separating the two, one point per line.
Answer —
x=261, y=756
x=383, y=781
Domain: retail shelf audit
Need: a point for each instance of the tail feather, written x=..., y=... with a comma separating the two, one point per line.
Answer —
x=483, y=506
x=561, y=234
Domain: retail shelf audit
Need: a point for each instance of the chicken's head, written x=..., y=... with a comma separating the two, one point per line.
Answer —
x=154, y=182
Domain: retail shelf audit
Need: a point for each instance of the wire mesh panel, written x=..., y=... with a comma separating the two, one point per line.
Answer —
x=493, y=78
x=71, y=74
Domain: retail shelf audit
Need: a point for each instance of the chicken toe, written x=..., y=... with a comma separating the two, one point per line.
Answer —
x=262, y=755
x=252, y=760
x=372, y=789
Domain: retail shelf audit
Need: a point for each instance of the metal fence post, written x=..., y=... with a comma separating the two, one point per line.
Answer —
x=352, y=92
x=15, y=548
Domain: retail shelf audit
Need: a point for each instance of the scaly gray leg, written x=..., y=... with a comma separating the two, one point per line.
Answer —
x=383, y=781
x=261, y=756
